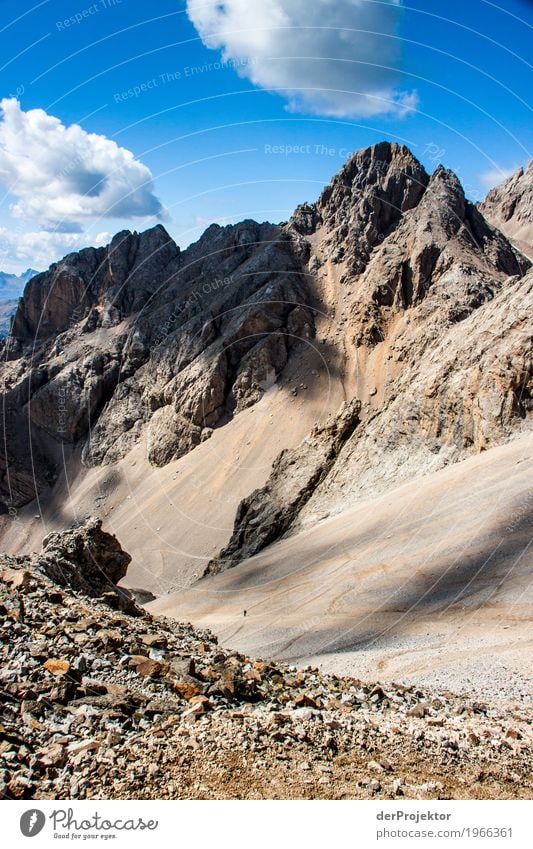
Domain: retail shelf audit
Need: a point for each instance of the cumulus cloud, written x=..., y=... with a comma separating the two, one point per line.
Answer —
x=41, y=248
x=324, y=55
x=61, y=175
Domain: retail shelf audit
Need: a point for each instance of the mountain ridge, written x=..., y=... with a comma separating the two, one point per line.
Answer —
x=391, y=292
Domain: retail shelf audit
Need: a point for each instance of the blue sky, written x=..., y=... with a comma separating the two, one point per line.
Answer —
x=198, y=139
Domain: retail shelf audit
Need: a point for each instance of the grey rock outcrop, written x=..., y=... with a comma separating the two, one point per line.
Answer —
x=8, y=309
x=87, y=560
x=117, y=707
x=115, y=281
x=267, y=514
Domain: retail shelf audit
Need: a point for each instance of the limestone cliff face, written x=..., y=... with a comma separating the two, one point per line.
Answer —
x=100, y=284
x=419, y=302
x=86, y=559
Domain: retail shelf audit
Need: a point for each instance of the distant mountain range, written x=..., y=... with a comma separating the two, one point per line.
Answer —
x=11, y=288
x=12, y=285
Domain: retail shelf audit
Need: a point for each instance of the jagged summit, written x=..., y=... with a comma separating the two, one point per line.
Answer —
x=364, y=201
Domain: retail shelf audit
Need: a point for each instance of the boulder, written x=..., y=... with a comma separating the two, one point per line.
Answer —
x=86, y=558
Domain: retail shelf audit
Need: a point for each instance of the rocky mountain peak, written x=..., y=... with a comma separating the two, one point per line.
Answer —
x=403, y=258
x=364, y=202
x=383, y=167
x=87, y=559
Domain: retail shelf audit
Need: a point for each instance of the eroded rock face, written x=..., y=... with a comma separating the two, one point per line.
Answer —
x=225, y=344
x=85, y=559
x=116, y=281
x=138, y=339
x=453, y=388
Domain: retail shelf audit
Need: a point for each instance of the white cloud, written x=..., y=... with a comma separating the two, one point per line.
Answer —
x=62, y=176
x=222, y=220
x=40, y=249
x=495, y=176
x=307, y=49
